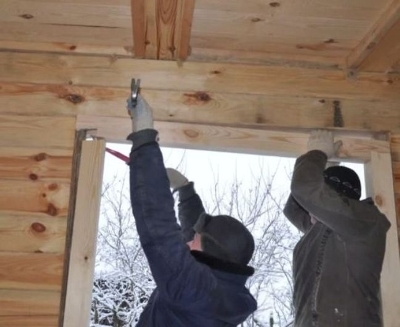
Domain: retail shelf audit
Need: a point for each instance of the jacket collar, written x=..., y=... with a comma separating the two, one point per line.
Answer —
x=222, y=265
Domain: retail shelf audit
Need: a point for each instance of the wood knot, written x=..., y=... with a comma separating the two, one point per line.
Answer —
x=197, y=97
x=53, y=186
x=41, y=156
x=33, y=177
x=73, y=47
x=38, y=227
x=328, y=41
x=371, y=45
x=52, y=210
x=216, y=72
x=191, y=133
x=274, y=4
x=322, y=101
x=74, y=98
x=26, y=16
x=256, y=19
x=378, y=200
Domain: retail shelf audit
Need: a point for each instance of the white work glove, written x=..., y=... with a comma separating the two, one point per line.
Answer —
x=176, y=179
x=323, y=140
x=141, y=115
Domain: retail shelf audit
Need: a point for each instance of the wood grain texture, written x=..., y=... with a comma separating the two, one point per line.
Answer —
x=379, y=50
x=194, y=77
x=380, y=180
x=84, y=235
x=31, y=271
x=138, y=27
x=35, y=164
x=28, y=303
x=219, y=138
x=32, y=233
x=34, y=321
x=27, y=131
x=50, y=198
x=239, y=110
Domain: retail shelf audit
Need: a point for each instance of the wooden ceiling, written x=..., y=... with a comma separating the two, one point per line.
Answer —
x=347, y=34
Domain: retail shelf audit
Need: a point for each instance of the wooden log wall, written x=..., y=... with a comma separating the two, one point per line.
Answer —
x=44, y=98
x=35, y=173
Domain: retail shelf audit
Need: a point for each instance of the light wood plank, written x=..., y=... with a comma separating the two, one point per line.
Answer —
x=165, y=75
x=74, y=13
x=84, y=235
x=35, y=164
x=50, y=198
x=242, y=140
x=383, y=36
x=33, y=271
x=185, y=22
x=29, y=303
x=32, y=233
x=61, y=34
x=380, y=182
x=61, y=47
x=34, y=321
x=25, y=131
x=201, y=107
x=138, y=27
x=386, y=55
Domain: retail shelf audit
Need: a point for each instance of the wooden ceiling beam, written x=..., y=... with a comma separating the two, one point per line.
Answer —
x=194, y=76
x=224, y=109
x=379, y=50
x=161, y=28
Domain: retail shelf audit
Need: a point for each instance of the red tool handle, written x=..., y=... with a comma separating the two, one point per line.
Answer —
x=119, y=155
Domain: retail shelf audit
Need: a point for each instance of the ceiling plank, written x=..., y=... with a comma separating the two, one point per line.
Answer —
x=138, y=26
x=381, y=38
x=161, y=28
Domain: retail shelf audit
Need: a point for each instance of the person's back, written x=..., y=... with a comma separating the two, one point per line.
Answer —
x=337, y=263
x=202, y=287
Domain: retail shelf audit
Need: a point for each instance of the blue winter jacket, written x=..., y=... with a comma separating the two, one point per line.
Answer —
x=193, y=289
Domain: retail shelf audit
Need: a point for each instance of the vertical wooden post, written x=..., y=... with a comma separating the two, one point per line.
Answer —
x=83, y=247
x=379, y=183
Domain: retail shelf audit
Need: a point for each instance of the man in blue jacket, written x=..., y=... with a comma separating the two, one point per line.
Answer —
x=338, y=262
x=200, y=268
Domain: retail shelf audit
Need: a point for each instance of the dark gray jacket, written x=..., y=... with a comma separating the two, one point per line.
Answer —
x=338, y=262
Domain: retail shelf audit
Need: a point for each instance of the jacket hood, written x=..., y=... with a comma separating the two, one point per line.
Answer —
x=237, y=307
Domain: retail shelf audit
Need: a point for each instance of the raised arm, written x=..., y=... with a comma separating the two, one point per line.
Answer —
x=177, y=274
x=190, y=205
x=344, y=215
x=297, y=215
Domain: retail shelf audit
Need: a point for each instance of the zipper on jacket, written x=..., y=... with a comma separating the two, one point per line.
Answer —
x=318, y=274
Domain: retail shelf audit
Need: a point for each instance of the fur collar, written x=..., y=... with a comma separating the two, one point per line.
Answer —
x=222, y=265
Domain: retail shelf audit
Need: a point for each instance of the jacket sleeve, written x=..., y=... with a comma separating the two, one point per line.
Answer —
x=343, y=215
x=178, y=276
x=190, y=207
x=297, y=215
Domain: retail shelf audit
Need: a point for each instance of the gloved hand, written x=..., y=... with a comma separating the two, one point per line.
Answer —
x=141, y=115
x=176, y=179
x=323, y=140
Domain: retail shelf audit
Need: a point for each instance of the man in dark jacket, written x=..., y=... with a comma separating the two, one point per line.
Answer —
x=337, y=263
x=204, y=287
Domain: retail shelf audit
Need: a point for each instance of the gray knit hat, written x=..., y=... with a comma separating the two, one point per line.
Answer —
x=225, y=238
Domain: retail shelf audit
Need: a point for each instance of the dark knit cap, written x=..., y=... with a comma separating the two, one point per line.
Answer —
x=225, y=238
x=344, y=180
